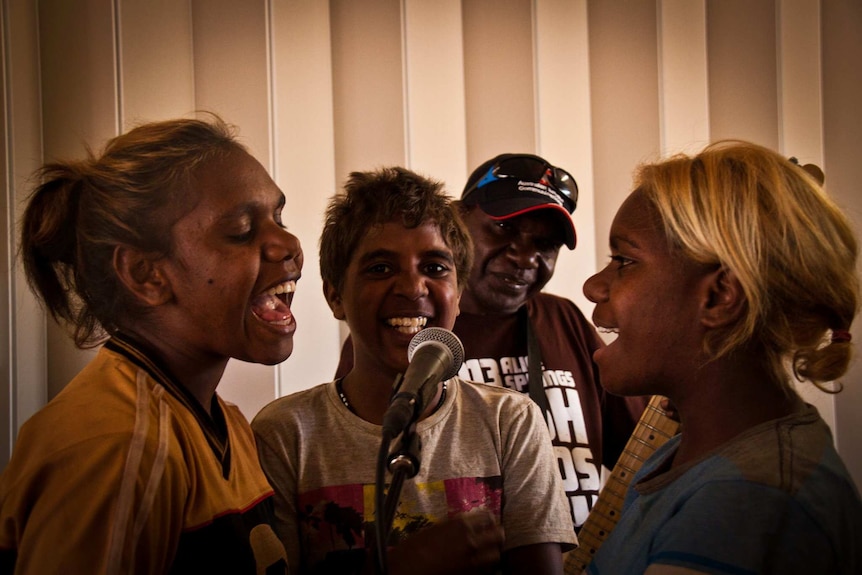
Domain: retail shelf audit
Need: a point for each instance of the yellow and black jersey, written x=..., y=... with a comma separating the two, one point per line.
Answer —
x=124, y=471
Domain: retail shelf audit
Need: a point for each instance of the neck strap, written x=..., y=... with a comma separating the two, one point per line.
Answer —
x=535, y=383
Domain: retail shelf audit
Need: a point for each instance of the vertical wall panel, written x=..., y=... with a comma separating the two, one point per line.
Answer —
x=842, y=139
x=8, y=425
x=434, y=67
x=368, y=86
x=800, y=119
x=499, y=78
x=7, y=225
x=683, y=72
x=79, y=106
x=305, y=171
x=624, y=95
x=565, y=129
x=801, y=102
x=79, y=85
x=231, y=66
x=156, y=67
x=743, y=85
x=25, y=370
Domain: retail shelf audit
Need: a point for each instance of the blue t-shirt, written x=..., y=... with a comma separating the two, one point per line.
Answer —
x=776, y=499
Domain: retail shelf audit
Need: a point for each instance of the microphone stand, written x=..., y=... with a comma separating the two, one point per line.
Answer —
x=403, y=462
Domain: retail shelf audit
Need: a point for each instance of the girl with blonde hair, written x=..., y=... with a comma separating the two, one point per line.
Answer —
x=732, y=279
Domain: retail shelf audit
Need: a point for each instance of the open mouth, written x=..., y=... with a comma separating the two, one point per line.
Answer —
x=273, y=305
x=609, y=334
x=408, y=325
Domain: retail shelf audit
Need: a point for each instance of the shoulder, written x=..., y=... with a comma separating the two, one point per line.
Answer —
x=107, y=425
x=98, y=403
x=787, y=452
x=549, y=301
x=550, y=308
x=796, y=456
x=493, y=401
x=474, y=390
x=291, y=410
x=561, y=327
x=818, y=519
x=544, y=304
x=788, y=459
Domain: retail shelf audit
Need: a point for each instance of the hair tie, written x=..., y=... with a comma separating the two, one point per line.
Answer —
x=841, y=336
x=813, y=170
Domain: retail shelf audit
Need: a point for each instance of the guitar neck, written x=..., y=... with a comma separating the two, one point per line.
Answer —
x=652, y=430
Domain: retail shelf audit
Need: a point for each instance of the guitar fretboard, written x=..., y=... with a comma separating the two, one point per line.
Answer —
x=653, y=429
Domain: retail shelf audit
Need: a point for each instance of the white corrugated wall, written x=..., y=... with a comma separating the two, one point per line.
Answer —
x=319, y=89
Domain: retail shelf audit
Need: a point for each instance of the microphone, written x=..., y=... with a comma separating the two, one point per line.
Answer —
x=435, y=355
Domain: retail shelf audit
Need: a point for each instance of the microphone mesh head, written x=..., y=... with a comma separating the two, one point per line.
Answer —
x=447, y=338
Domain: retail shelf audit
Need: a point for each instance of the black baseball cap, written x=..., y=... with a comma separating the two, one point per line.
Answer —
x=509, y=185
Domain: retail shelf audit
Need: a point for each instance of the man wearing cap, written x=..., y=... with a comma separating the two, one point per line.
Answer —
x=517, y=208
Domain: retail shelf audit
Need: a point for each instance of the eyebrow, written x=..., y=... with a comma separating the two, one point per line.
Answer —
x=617, y=239
x=384, y=253
x=441, y=254
x=250, y=208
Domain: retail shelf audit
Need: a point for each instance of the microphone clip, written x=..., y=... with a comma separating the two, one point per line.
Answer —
x=404, y=458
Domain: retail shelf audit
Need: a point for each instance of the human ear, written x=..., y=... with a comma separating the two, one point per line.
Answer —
x=140, y=272
x=725, y=299
x=333, y=298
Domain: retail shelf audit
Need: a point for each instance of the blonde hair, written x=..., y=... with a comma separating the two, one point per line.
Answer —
x=751, y=211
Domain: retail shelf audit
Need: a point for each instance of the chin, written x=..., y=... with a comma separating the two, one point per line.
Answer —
x=618, y=386
x=613, y=388
x=628, y=388
x=274, y=357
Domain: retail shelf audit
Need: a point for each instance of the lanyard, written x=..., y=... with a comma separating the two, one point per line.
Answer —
x=534, y=364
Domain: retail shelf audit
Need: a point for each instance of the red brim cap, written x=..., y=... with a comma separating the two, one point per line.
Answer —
x=505, y=208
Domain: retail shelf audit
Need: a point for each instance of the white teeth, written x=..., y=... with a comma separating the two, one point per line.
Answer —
x=286, y=287
x=407, y=321
x=608, y=330
x=407, y=324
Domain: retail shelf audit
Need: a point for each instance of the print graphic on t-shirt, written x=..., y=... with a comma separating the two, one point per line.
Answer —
x=334, y=520
x=581, y=475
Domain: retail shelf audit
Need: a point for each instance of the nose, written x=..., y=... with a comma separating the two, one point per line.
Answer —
x=411, y=284
x=524, y=253
x=282, y=245
x=595, y=288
